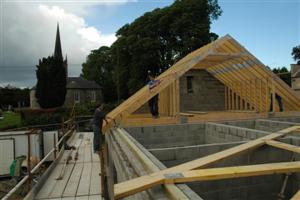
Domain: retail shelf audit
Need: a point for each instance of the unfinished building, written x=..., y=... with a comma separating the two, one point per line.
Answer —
x=215, y=138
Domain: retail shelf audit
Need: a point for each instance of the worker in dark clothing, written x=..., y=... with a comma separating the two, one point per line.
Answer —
x=99, y=116
x=279, y=100
x=153, y=102
x=153, y=105
x=99, y=140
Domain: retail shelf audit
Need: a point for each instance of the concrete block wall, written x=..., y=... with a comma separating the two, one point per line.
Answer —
x=286, y=119
x=168, y=136
x=219, y=133
x=178, y=155
x=242, y=123
x=215, y=138
x=261, y=187
x=269, y=125
x=272, y=126
x=208, y=92
x=128, y=166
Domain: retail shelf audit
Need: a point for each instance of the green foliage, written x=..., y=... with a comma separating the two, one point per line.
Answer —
x=284, y=74
x=10, y=120
x=154, y=41
x=41, y=116
x=98, y=67
x=14, y=96
x=56, y=115
x=51, y=82
x=296, y=54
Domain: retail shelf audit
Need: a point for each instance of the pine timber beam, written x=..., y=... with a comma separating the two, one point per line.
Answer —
x=217, y=58
x=119, y=114
x=296, y=196
x=284, y=146
x=173, y=191
x=255, y=66
x=142, y=183
x=283, y=89
x=237, y=82
x=232, y=172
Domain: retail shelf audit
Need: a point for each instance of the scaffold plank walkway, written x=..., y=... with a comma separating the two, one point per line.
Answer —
x=81, y=178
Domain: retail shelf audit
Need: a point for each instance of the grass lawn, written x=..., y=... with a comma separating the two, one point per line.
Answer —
x=10, y=120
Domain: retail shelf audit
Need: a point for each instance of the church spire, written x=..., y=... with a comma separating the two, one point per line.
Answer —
x=57, y=49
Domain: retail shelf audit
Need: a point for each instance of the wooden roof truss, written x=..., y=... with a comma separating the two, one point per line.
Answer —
x=248, y=83
x=248, y=86
x=190, y=172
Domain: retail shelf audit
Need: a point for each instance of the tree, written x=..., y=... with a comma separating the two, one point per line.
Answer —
x=156, y=40
x=296, y=54
x=51, y=82
x=98, y=67
x=284, y=74
x=13, y=96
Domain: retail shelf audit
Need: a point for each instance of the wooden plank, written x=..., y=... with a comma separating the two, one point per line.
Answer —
x=81, y=153
x=197, y=112
x=71, y=188
x=95, y=157
x=142, y=183
x=284, y=146
x=186, y=114
x=232, y=172
x=226, y=98
x=87, y=153
x=267, y=97
x=82, y=198
x=61, y=184
x=95, y=197
x=85, y=181
x=50, y=183
x=95, y=186
x=261, y=71
x=119, y=114
x=296, y=196
x=172, y=190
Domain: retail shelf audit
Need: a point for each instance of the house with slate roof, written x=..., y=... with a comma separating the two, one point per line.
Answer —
x=79, y=90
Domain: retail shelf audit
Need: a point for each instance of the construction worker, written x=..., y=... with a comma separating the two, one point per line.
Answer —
x=99, y=142
x=153, y=102
x=279, y=100
x=99, y=116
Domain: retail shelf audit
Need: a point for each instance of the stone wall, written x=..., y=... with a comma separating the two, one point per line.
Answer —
x=85, y=96
x=208, y=92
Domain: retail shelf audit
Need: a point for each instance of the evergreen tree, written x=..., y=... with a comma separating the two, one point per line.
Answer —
x=52, y=78
x=51, y=82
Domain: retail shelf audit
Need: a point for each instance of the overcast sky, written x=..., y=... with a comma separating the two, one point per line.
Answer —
x=268, y=29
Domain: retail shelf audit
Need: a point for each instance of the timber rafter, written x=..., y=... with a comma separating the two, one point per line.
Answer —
x=249, y=84
x=190, y=172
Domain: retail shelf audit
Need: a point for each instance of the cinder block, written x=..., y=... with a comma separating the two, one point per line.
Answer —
x=233, y=131
x=242, y=133
x=164, y=155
